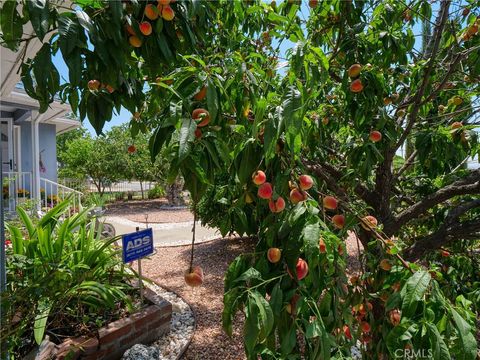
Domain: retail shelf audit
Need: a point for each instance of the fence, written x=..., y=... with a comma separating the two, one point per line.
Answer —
x=113, y=191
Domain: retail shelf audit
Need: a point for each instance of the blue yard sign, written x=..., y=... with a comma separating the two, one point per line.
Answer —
x=137, y=245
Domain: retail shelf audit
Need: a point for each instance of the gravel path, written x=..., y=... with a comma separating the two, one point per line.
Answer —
x=157, y=210
x=167, y=267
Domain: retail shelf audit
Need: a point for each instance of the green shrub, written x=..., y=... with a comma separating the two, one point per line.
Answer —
x=156, y=192
x=61, y=279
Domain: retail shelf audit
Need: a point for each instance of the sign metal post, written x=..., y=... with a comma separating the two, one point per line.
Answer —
x=135, y=246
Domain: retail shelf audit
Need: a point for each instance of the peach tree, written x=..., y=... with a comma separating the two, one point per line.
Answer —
x=304, y=125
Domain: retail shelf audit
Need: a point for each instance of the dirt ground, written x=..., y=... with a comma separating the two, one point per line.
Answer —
x=157, y=210
x=167, y=267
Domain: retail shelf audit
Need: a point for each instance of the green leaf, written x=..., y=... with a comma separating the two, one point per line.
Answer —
x=237, y=267
x=413, y=291
x=85, y=21
x=440, y=349
x=276, y=300
x=157, y=140
x=43, y=310
x=187, y=135
x=212, y=100
x=292, y=116
x=231, y=301
x=11, y=24
x=251, y=328
x=250, y=274
x=38, y=12
x=466, y=343
x=265, y=313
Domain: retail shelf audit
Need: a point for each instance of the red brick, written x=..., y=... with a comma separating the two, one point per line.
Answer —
x=146, y=315
x=114, y=330
x=157, y=323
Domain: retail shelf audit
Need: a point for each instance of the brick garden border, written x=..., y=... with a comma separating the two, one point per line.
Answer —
x=112, y=340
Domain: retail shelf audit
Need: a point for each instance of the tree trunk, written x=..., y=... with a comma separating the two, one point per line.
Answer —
x=141, y=189
x=174, y=193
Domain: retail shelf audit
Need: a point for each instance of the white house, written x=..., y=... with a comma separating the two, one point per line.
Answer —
x=28, y=138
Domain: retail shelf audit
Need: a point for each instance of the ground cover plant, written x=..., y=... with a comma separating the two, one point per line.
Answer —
x=62, y=280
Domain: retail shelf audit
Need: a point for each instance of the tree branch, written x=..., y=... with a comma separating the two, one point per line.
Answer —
x=417, y=99
x=468, y=230
x=468, y=185
x=406, y=165
x=332, y=176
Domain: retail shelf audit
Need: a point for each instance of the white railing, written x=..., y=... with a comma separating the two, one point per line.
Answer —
x=16, y=189
x=51, y=193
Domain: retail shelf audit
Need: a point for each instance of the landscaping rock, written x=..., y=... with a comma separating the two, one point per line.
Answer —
x=141, y=352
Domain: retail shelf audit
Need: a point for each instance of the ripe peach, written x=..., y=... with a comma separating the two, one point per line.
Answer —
x=369, y=222
x=444, y=253
x=163, y=2
x=200, y=96
x=297, y=196
x=385, y=265
x=472, y=30
x=329, y=202
x=151, y=12
x=145, y=28
x=168, y=13
x=456, y=125
x=375, y=136
x=338, y=221
x=356, y=86
x=346, y=331
x=305, y=182
x=93, y=85
x=109, y=88
x=321, y=246
x=194, y=277
x=265, y=191
x=135, y=41
x=313, y=3
x=130, y=29
x=395, y=316
x=198, y=133
x=259, y=177
x=201, y=116
x=354, y=70
x=365, y=326
x=131, y=149
x=274, y=255
x=277, y=206
x=301, y=269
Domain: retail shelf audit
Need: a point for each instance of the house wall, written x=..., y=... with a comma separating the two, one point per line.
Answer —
x=47, y=145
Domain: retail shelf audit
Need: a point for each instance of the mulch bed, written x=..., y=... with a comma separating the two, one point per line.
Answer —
x=167, y=267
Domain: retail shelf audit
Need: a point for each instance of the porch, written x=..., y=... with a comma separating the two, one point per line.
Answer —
x=28, y=152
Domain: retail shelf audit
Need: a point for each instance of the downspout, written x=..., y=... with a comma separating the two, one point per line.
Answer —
x=35, y=120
